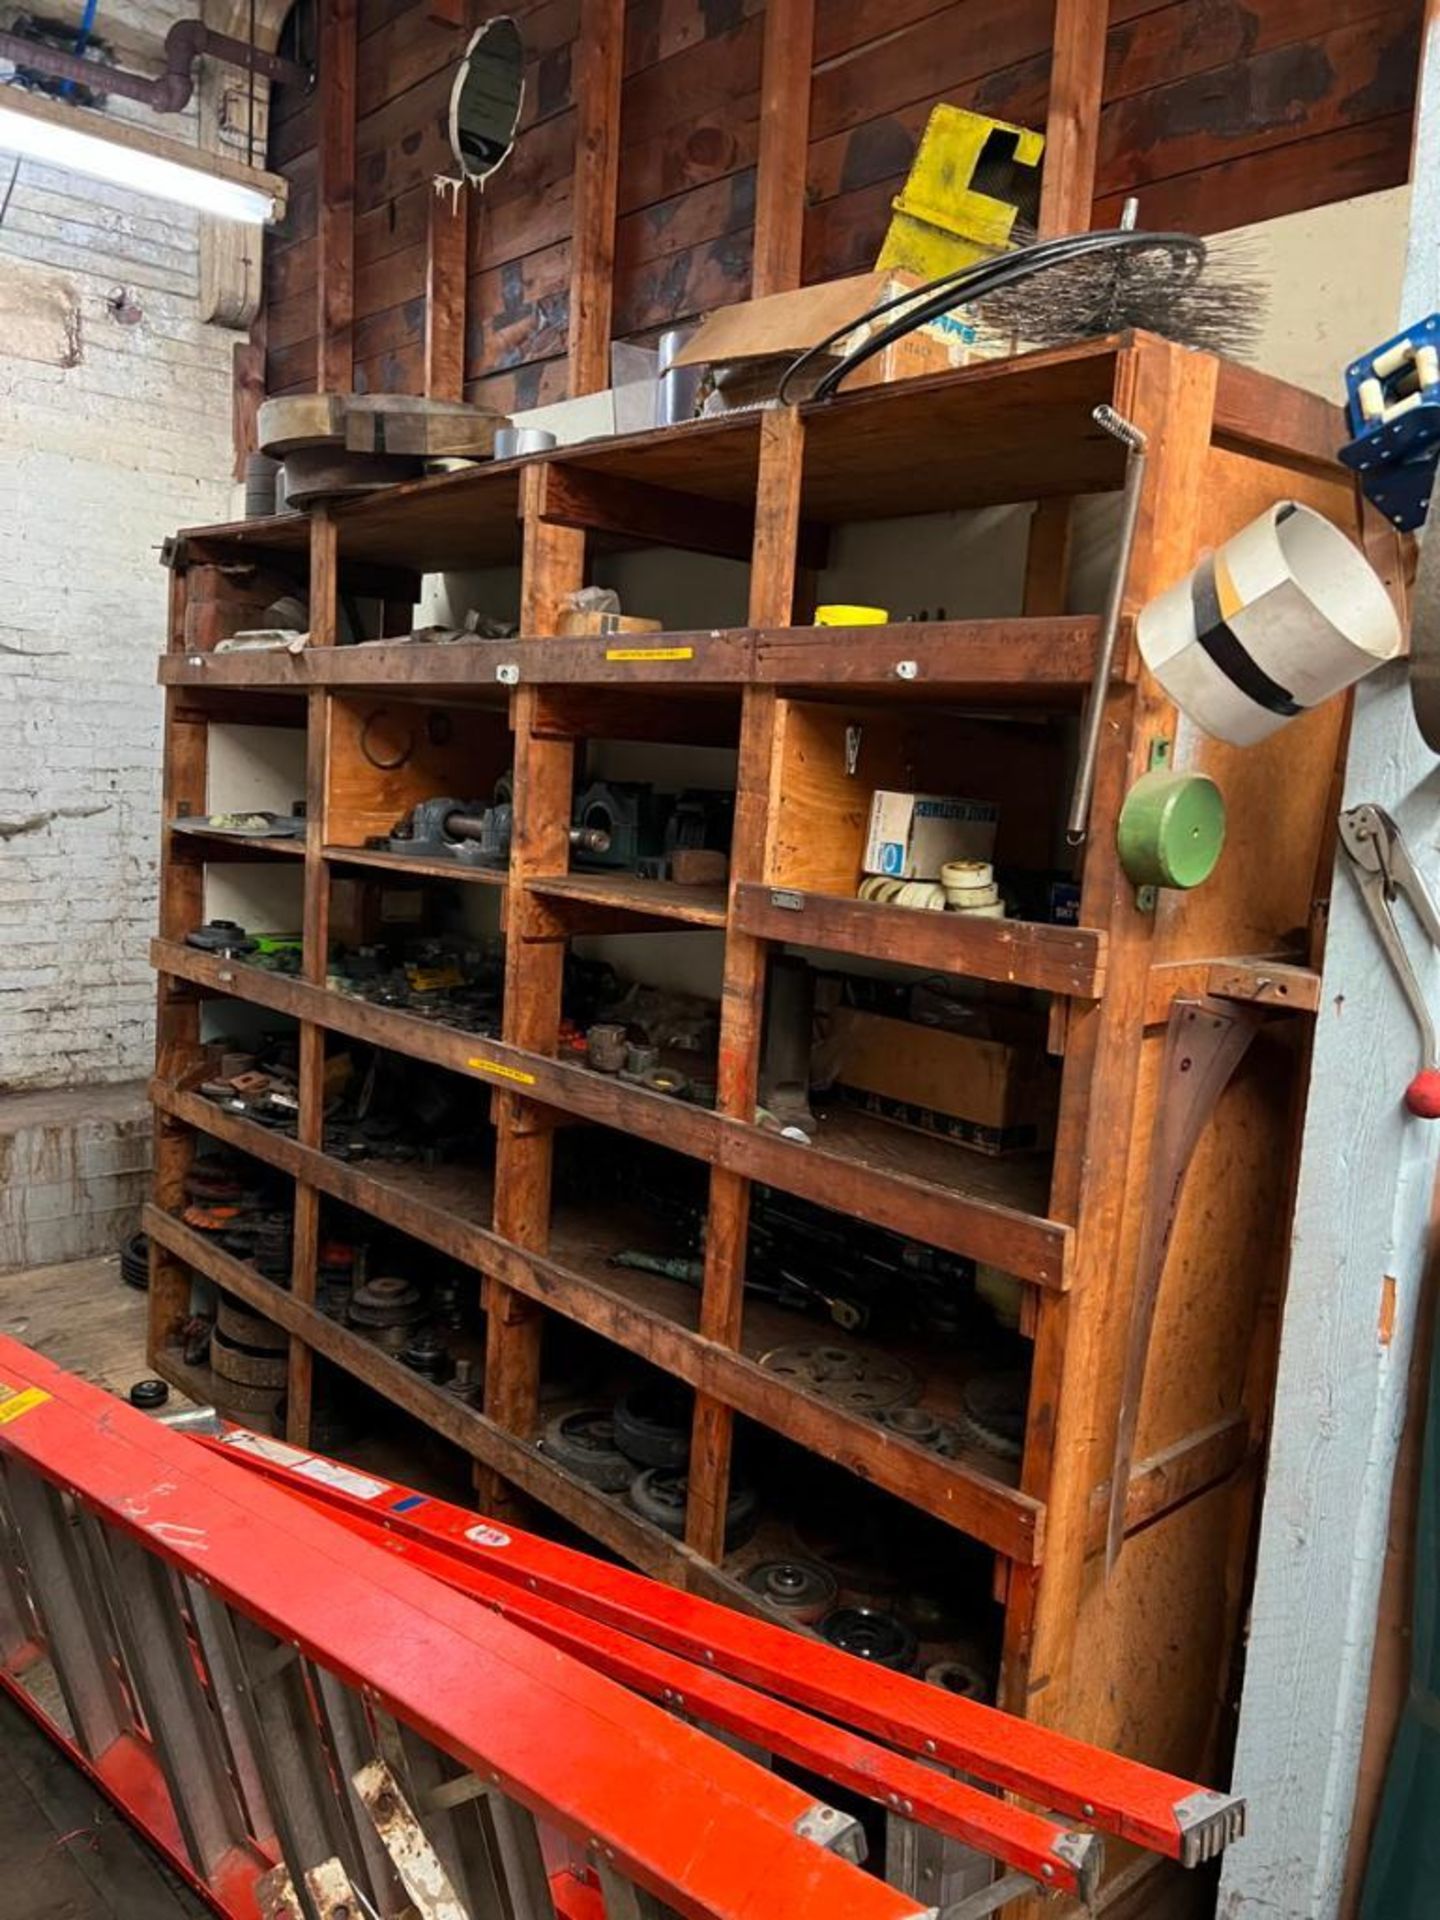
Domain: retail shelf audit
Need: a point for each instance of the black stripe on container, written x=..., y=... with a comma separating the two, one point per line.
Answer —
x=1227, y=650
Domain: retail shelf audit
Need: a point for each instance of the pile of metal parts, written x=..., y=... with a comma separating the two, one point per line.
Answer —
x=248, y=1357
x=228, y=940
x=621, y=825
x=454, y=981
x=817, y=1552
x=262, y=1086
x=252, y=824
x=388, y=1108
x=859, y=1277
x=665, y=1042
x=410, y=1302
x=248, y=1209
x=562, y=1738
x=990, y=1417
x=639, y=1447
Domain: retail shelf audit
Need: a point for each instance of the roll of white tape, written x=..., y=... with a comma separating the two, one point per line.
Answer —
x=966, y=873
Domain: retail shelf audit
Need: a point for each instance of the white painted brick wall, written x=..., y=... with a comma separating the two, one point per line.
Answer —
x=98, y=462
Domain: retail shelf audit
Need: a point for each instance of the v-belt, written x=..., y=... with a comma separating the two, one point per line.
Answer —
x=1156, y=1810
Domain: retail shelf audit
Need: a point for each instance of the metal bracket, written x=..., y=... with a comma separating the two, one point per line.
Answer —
x=1148, y=898
x=1209, y=1822
x=785, y=897
x=1204, y=1043
x=835, y=1831
x=508, y=673
x=852, y=750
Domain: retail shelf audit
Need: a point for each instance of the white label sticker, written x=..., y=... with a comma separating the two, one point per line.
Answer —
x=275, y=1451
x=330, y=1474
x=487, y=1536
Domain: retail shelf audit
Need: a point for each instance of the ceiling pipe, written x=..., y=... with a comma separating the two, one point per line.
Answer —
x=169, y=91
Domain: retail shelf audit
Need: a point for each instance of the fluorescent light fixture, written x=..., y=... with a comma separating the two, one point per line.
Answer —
x=128, y=156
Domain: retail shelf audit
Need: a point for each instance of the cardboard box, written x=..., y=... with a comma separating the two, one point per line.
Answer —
x=912, y=835
x=578, y=620
x=997, y=1096
x=749, y=345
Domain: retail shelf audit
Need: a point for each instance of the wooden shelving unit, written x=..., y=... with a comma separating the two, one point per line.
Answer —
x=1100, y=1658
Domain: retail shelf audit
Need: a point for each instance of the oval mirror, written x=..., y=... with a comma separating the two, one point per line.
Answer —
x=486, y=98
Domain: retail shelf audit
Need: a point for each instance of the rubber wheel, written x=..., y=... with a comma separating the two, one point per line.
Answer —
x=652, y=1425
x=660, y=1495
x=877, y=1637
x=583, y=1442
x=135, y=1262
x=801, y=1590
x=149, y=1393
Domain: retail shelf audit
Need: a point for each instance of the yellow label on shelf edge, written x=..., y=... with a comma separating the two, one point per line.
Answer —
x=649, y=653
x=501, y=1072
x=14, y=1402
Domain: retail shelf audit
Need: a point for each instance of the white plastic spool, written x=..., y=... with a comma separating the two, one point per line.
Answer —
x=1285, y=614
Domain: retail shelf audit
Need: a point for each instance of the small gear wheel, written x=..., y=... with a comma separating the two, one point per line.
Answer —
x=993, y=1413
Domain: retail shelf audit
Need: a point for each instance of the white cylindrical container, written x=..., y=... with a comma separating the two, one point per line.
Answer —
x=1286, y=613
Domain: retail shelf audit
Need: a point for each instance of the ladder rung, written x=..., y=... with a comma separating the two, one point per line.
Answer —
x=75, y=1632
x=183, y=1730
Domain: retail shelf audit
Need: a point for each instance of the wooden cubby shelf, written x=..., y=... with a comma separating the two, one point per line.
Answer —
x=1021, y=953
x=626, y=893
x=966, y=1203
x=415, y=865
x=795, y=726
x=206, y=845
x=1032, y=662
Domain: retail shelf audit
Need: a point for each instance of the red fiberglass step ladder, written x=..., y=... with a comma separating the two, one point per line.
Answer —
x=324, y=1695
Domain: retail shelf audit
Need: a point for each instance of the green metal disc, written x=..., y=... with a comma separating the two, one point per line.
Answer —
x=1171, y=829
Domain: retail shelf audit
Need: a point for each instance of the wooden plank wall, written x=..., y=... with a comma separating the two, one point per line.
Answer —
x=1216, y=112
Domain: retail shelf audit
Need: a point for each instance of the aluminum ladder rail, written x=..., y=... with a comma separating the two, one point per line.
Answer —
x=311, y=1729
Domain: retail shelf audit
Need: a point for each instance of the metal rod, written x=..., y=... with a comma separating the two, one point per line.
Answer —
x=1133, y=440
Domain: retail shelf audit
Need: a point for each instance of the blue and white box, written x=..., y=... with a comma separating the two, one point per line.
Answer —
x=913, y=835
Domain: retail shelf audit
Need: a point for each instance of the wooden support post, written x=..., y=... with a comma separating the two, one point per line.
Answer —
x=324, y=578
x=553, y=565
x=1047, y=555
x=177, y=1007
x=784, y=145
x=772, y=587
x=249, y=391
x=1072, y=119
x=305, y=1243
x=446, y=253
x=335, y=199
x=599, y=65
x=1170, y=395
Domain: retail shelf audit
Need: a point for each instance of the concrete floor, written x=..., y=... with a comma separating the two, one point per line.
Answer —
x=65, y=1854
